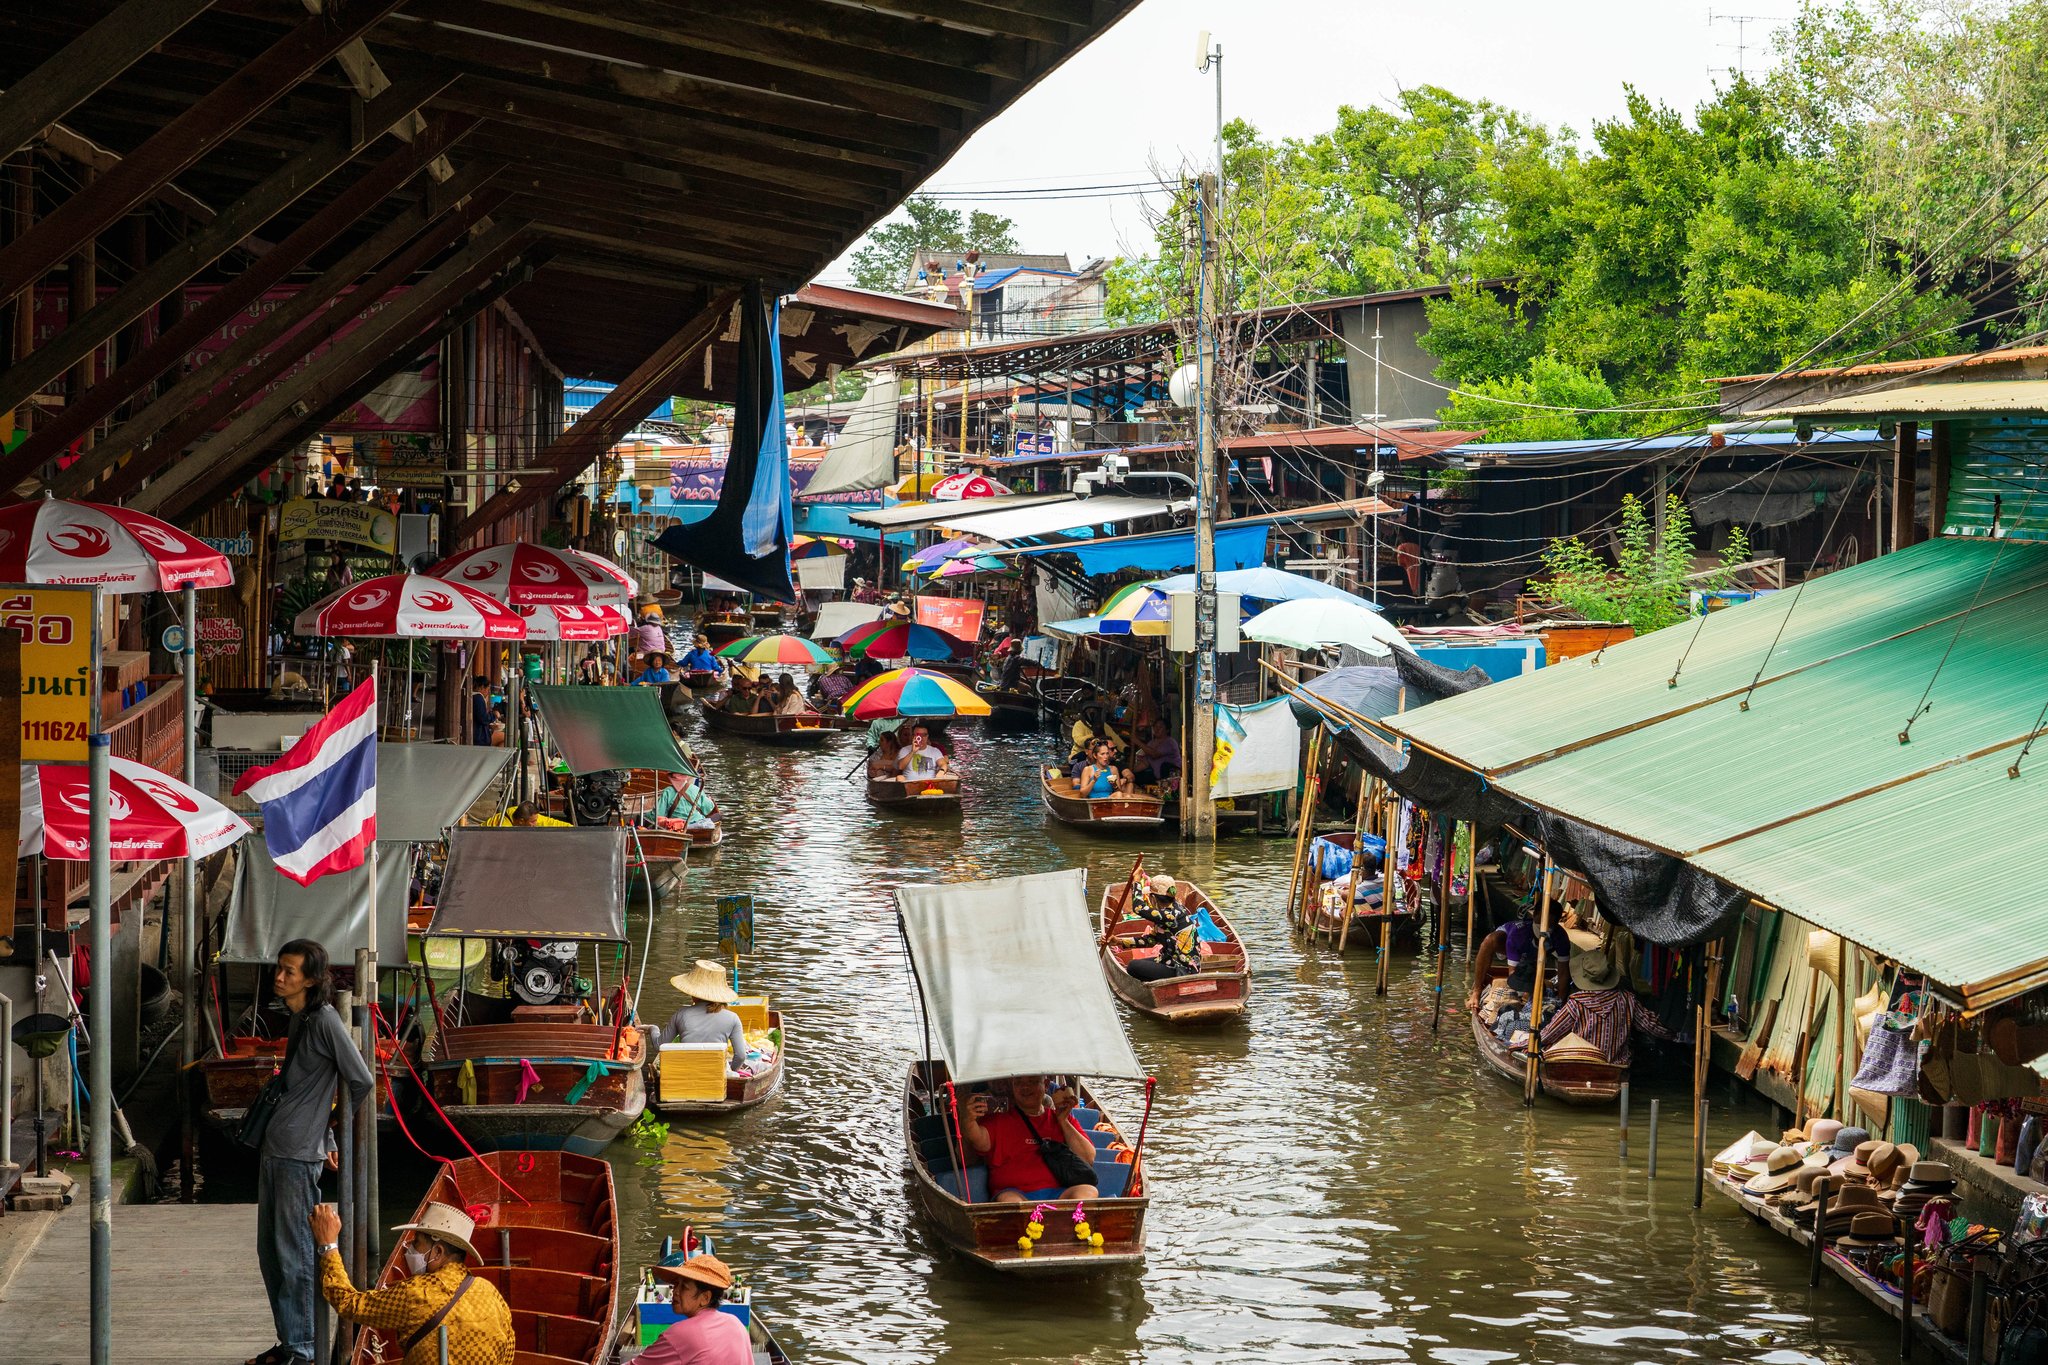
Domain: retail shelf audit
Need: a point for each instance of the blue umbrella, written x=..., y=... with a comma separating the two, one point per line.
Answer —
x=1267, y=584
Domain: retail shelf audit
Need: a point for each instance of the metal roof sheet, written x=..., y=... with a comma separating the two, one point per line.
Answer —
x=1953, y=398
x=1015, y=523
x=1807, y=799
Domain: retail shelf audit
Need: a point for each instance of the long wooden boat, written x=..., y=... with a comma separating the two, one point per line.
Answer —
x=538, y=1085
x=232, y=1082
x=703, y=679
x=1573, y=1082
x=551, y=1250
x=986, y=1232
x=936, y=795
x=741, y=1092
x=723, y=627
x=1056, y=692
x=1133, y=813
x=1213, y=995
x=769, y=728
x=1365, y=918
x=1009, y=706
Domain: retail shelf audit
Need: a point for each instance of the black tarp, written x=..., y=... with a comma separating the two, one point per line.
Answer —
x=745, y=540
x=534, y=883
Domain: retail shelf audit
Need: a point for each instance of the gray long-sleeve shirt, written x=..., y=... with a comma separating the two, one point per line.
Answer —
x=324, y=1054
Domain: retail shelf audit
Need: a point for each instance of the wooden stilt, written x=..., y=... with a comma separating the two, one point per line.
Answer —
x=1443, y=926
x=1471, y=889
x=1301, y=833
x=1536, y=998
x=1365, y=786
x=1845, y=1028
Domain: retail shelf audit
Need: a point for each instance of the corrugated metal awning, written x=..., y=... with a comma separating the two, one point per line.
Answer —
x=1805, y=797
x=1957, y=398
x=1069, y=514
x=911, y=516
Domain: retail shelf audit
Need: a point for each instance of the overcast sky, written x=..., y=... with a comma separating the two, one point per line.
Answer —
x=1133, y=97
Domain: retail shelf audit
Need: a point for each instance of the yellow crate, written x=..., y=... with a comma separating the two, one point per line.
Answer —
x=693, y=1071
x=753, y=1012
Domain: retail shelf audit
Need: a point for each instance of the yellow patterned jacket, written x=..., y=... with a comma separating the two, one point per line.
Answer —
x=479, y=1327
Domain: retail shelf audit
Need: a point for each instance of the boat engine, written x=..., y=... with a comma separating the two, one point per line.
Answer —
x=540, y=972
x=599, y=797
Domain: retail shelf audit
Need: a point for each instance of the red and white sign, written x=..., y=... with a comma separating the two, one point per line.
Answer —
x=152, y=814
x=960, y=487
x=959, y=617
x=93, y=544
x=411, y=606
x=524, y=575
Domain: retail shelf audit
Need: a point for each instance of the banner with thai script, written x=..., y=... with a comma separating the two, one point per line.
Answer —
x=354, y=523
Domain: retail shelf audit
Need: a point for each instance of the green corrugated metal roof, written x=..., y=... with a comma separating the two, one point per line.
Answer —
x=1998, y=468
x=1807, y=800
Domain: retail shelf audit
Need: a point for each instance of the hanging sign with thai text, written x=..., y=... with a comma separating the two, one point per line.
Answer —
x=356, y=523
x=59, y=666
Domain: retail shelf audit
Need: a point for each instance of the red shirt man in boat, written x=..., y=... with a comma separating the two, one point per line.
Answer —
x=706, y=1335
x=1009, y=1141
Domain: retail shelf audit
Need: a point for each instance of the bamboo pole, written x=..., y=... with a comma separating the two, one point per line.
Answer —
x=1536, y=999
x=1845, y=1028
x=1471, y=889
x=1805, y=1051
x=1365, y=785
x=1301, y=833
x=1443, y=932
x=1702, y=1051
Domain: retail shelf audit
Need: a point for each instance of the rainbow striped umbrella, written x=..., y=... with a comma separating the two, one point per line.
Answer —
x=1138, y=609
x=903, y=640
x=913, y=692
x=775, y=649
x=816, y=547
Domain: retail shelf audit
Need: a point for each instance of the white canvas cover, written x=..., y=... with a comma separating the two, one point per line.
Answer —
x=836, y=618
x=1007, y=976
x=1015, y=523
x=826, y=571
x=1267, y=757
x=864, y=456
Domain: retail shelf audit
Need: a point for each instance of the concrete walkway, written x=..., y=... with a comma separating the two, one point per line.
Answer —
x=185, y=1286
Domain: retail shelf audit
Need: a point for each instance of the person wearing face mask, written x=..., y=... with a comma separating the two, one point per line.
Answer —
x=438, y=1291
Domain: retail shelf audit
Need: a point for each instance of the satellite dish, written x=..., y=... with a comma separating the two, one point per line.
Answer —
x=1183, y=386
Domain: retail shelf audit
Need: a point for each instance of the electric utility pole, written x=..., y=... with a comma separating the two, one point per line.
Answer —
x=1198, y=821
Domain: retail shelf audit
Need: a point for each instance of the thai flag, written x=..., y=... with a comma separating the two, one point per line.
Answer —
x=320, y=800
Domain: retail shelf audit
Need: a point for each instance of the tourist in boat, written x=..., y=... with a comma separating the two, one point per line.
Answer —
x=789, y=699
x=296, y=1144
x=705, y=1335
x=922, y=758
x=832, y=688
x=684, y=804
x=1158, y=759
x=1602, y=1009
x=701, y=658
x=438, y=1291
x=887, y=749
x=706, y=1019
x=1175, y=932
x=1100, y=776
x=1009, y=1141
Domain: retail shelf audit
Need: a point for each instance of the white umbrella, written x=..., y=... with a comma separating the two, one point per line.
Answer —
x=151, y=814
x=1319, y=623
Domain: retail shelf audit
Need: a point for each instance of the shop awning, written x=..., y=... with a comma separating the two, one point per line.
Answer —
x=1954, y=398
x=1237, y=547
x=911, y=516
x=988, y=956
x=534, y=883
x=603, y=728
x=1068, y=514
x=1805, y=797
x=422, y=789
x=836, y=618
x=267, y=910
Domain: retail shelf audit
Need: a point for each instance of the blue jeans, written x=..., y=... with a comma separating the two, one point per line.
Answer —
x=286, y=1191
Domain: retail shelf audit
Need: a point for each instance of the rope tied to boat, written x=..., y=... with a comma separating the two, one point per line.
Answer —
x=377, y=1017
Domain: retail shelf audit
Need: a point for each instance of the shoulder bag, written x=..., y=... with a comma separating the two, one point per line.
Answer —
x=1067, y=1169
x=426, y=1329
x=256, y=1119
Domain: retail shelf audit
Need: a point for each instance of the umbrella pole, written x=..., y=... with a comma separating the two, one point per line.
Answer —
x=188, y=923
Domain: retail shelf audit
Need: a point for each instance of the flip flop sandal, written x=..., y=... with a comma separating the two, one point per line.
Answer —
x=279, y=1354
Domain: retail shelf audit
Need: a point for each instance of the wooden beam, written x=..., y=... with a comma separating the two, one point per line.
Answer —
x=81, y=335
x=838, y=27
x=1905, y=458
x=205, y=125
x=701, y=267
x=600, y=429
x=1938, y=449
x=87, y=64
x=195, y=325
x=76, y=146
x=279, y=340
x=1002, y=20
x=345, y=361
x=717, y=253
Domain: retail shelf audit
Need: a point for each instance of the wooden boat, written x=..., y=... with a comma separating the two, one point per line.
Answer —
x=652, y=1314
x=233, y=1081
x=1573, y=1082
x=741, y=1092
x=702, y=680
x=768, y=728
x=1365, y=918
x=1056, y=692
x=1212, y=995
x=937, y=795
x=986, y=1232
x=1132, y=813
x=723, y=627
x=478, y=1074
x=551, y=1250
x=1012, y=706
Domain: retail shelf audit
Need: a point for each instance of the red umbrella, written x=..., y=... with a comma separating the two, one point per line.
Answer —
x=573, y=623
x=112, y=548
x=411, y=606
x=151, y=814
x=523, y=574
x=958, y=487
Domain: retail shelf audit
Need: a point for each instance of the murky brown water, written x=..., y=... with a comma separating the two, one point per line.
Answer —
x=1332, y=1183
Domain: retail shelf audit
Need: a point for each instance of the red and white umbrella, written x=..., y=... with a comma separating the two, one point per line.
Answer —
x=411, y=606
x=524, y=575
x=151, y=814
x=960, y=487
x=573, y=623
x=90, y=543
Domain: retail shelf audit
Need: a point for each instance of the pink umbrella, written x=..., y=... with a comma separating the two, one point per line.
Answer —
x=411, y=606
x=526, y=575
x=152, y=814
x=53, y=541
x=573, y=623
x=958, y=487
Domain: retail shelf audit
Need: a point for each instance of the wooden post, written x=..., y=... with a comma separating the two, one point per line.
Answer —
x=1805, y=1052
x=1845, y=1028
x=1365, y=784
x=1536, y=999
x=1471, y=891
x=1938, y=457
x=1383, y=975
x=1702, y=1051
x=1905, y=453
x=1443, y=930
x=1308, y=812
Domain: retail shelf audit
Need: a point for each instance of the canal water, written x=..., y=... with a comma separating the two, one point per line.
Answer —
x=1333, y=1182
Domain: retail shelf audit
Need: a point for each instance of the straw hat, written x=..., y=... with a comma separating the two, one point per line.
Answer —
x=1909, y=1157
x=1805, y=1180
x=1594, y=971
x=1573, y=1048
x=1821, y=1132
x=1587, y=940
x=697, y=1270
x=705, y=981
x=1823, y=954
x=1159, y=884
x=446, y=1223
x=1870, y=1230
x=1780, y=1168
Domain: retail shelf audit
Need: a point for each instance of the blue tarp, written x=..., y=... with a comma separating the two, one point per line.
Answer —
x=1237, y=547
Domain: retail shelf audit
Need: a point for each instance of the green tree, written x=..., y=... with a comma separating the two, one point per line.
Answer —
x=1646, y=586
x=1549, y=401
x=882, y=261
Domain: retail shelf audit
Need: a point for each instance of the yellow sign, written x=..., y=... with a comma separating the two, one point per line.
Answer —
x=356, y=523
x=58, y=666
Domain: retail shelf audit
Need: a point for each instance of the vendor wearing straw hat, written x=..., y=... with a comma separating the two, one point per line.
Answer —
x=439, y=1291
x=705, y=1336
x=706, y=1019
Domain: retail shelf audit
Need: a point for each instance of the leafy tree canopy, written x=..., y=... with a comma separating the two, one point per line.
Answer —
x=924, y=224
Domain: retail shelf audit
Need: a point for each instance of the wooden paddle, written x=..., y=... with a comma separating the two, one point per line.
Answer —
x=1130, y=891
